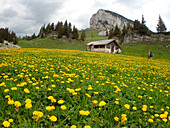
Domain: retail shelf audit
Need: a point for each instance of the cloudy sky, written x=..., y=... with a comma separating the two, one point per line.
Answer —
x=25, y=17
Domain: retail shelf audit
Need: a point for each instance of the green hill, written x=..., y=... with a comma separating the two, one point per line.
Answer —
x=161, y=50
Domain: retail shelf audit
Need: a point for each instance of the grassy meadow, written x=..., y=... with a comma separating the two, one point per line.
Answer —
x=54, y=83
x=70, y=88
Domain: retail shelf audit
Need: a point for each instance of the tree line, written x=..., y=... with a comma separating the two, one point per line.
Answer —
x=60, y=29
x=138, y=28
x=5, y=34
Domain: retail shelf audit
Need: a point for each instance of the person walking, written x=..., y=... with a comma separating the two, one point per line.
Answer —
x=150, y=54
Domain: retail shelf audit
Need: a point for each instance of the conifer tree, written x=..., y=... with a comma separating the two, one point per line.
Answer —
x=110, y=34
x=117, y=32
x=75, y=33
x=66, y=29
x=160, y=26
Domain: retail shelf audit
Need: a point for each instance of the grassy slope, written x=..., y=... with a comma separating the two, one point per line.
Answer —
x=133, y=49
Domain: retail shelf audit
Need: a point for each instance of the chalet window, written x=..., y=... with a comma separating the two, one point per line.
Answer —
x=108, y=46
x=96, y=46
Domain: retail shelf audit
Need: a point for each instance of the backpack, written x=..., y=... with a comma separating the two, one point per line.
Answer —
x=151, y=54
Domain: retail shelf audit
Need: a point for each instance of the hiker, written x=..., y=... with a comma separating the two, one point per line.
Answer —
x=150, y=54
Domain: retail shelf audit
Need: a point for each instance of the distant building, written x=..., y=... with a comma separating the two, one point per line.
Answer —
x=110, y=46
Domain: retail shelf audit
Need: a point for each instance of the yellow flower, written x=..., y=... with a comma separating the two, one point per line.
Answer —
x=127, y=106
x=10, y=102
x=116, y=118
x=11, y=120
x=53, y=118
x=73, y=126
x=116, y=102
x=144, y=109
x=7, y=96
x=87, y=126
x=151, y=106
x=63, y=107
x=28, y=101
x=156, y=115
x=164, y=120
x=96, y=93
x=77, y=89
x=95, y=101
x=87, y=95
x=6, y=90
x=60, y=102
x=144, y=106
x=37, y=115
x=14, y=88
x=17, y=104
x=6, y=124
x=28, y=105
x=50, y=108
x=26, y=90
x=134, y=108
x=102, y=103
x=82, y=112
x=150, y=120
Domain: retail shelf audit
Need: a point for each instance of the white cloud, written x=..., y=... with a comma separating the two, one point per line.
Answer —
x=27, y=16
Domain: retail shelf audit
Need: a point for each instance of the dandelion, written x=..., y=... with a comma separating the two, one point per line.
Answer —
x=50, y=108
x=116, y=102
x=26, y=90
x=11, y=120
x=82, y=112
x=96, y=93
x=10, y=102
x=17, y=104
x=73, y=126
x=95, y=101
x=14, y=88
x=127, y=106
x=28, y=105
x=53, y=118
x=37, y=115
x=63, y=107
x=6, y=90
x=28, y=101
x=134, y=108
x=102, y=103
x=60, y=102
x=87, y=95
x=6, y=124
x=150, y=120
x=116, y=118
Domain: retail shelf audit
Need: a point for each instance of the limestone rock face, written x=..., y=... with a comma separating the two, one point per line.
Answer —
x=105, y=19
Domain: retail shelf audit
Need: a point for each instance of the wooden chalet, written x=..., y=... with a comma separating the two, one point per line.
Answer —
x=110, y=46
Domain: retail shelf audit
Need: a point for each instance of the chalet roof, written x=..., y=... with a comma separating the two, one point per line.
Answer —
x=101, y=42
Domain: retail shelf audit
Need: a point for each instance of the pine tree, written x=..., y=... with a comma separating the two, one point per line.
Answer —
x=117, y=32
x=160, y=26
x=143, y=21
x=66, y=29
x=60, y=29
x=136, y=25
x=75, y=33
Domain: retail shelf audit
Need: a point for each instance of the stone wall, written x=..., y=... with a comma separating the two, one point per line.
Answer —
x=139, y=38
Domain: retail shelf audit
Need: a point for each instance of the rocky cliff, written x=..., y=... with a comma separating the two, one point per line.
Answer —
x=105, y=19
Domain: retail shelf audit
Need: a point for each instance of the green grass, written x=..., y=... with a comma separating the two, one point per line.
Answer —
x=140, y=49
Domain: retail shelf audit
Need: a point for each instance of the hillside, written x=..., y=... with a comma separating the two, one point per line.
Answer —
x=161, y=49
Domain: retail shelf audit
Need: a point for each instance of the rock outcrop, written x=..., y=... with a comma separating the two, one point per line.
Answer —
x=104, y=20
x=7, y=45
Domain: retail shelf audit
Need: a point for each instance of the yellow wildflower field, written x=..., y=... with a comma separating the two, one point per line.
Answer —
x=69, y=88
